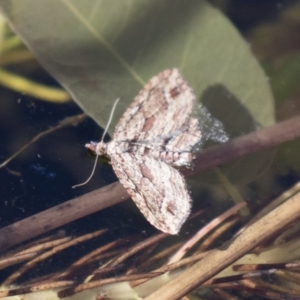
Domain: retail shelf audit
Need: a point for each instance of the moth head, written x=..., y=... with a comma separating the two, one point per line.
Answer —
x=98, y=148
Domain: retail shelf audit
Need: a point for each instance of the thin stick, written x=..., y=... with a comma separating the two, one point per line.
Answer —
x=229, y=252
x=116, y=193
x=66, y=122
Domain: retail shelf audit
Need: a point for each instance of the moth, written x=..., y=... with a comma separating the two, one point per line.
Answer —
x=155, y=134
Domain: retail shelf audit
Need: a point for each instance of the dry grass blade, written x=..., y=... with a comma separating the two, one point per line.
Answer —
x=234, y=278
x=252, y=267
x=139, y=247
x=86, y=259
x=98, y=283
x=15, y=259
x=265, y=286
x=155, y=258
x=219, y=231
x=30, y=252
x=189, y=244
x=46, y=245
x=49, y=253
x=67, y=122
x=36, y=288
x=221, y=258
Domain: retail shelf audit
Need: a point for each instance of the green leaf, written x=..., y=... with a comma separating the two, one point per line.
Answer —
x=100, y=50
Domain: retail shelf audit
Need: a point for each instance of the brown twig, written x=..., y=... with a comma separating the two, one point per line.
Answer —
x=61, y=214
x=36, y=288
x=98, y=283
x=235, y=248
x=87, y=258
x=249, y=143
x=115, y=193
x=51, y=252
x=142, y=245
x=252, y=267
x=217, y=233
x=16, y=259
x=203, y=231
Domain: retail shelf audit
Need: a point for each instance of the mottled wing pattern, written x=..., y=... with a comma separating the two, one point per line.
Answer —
x=156, y=132
x=160, y=115
x=158, y=190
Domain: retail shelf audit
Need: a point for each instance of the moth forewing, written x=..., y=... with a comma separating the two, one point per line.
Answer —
x=154, y=134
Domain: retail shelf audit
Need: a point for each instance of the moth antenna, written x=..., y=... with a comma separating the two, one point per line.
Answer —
x=90, y=177
x=103, y=135
x=110, y=118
